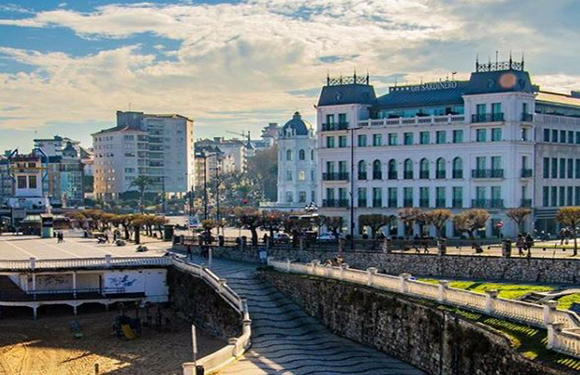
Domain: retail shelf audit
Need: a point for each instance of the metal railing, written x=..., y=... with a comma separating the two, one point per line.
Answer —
x=487, y=173
x=563, y=326
x=418, y=120
x=529, y=117
x=526, y=173
x=335, y=203
x=487, y=203
x=107, y=262
x=487, y=117
x=335, y=176
x=335, y=126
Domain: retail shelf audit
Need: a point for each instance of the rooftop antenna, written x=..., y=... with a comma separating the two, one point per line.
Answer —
x=511, y=59
x=496, y=57
x=354, y=76
x=327, y=77
x=522, y=60
x=368, y=77
x=477, y=62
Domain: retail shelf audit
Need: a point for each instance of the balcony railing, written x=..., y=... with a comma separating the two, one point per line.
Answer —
x=418, y=120
x=526, y=203
x=377, y=203
x=526, y=173
x=424, y=175
x=393, y=175
x=362, y=202
x=487, y=117
x=335, y=203
x=340, y=176
x=440, y=202
x=408, y=175
x=529, y=117
x=377, y=175
x=423, y=202
x=458, y=173
x=362, y=175
x=457, y=203
x=487, y=173
x=487, y=203
x=440, y=174
x=332, y=127
x=407, y=203
x=392, y=203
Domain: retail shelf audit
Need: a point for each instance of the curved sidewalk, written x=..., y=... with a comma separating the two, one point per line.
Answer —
x=287, y=341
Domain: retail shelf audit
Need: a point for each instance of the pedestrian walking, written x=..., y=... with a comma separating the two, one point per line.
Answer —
x=188, y=251
x=520, y=243
x=529, y=244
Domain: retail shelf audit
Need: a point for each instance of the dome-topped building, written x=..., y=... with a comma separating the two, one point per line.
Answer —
x=296, y=164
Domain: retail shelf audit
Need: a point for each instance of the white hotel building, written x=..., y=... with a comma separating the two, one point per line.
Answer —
x=157, y=146
x=495, y=141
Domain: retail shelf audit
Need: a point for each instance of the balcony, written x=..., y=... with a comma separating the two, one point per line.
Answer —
x=377, y=175
x=408, y=175
x=424, y=175
x=333, y=127
x=392, y=202
x=528, y=117
x=332, y=176
x=457, y=203
x=526, y=173
x=418, y=120
x=335, y=203
x=362, y=203
x=407, y=203
x=440, y=202
x=487, y=117
x=440, y=175
x=458, y=173
x=526, y=203
x=487, y=203
x=487, y=173
x=362, y=175
x=393, y=175
x=423, y=202
x=377, y=203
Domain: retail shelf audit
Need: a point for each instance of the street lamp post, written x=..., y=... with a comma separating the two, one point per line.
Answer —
x=217, y=200
x=352, y=130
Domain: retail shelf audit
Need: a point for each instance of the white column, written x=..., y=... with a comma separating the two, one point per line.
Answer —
x=74, y=282
x=34, y=285
x=490, y=296
x=549, y=307
x=371, y=272
x=404, y=277
x=443, y=286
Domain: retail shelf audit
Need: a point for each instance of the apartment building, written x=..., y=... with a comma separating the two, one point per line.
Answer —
x=495, y=141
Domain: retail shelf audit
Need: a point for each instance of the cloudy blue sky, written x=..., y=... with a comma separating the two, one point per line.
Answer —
x=67, y=66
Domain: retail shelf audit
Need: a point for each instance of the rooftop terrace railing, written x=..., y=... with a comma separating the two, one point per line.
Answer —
x=419, y=120
x=563, y=326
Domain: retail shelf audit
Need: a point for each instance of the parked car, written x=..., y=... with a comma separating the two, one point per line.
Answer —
x=281, y=238
x=326, y=237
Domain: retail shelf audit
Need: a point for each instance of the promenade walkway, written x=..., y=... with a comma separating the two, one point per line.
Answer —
x=287, y=341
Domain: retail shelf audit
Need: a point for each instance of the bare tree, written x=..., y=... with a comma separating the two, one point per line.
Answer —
x=438, y=218
x=470, y=221
x=410, y=215
x=333, y=224
x=375, y=222
x=519, y=216
x=570, y=218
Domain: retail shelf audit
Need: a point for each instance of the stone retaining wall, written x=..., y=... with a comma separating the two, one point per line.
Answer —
x=203, y=306
x=436, y=341
x=538, y=270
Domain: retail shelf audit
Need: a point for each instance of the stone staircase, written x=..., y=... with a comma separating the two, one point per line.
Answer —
x=287, y=341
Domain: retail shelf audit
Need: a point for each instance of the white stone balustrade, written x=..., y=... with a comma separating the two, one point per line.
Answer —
x=563, y=326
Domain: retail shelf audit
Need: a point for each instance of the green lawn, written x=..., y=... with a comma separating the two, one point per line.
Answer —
x=508, y=291
x=565, y=302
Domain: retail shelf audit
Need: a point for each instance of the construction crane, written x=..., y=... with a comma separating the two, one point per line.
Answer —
x=242, y=134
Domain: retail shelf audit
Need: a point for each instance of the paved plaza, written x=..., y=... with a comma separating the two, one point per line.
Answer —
x=74, y=246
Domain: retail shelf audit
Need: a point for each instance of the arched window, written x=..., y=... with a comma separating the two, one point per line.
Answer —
x=301, y=155
x=289, y=155
x=440, y=171
x=457, y=167
x=408, y=169
x=424, y=169
x=362, y=170
x=393, y=169
x=377, y=173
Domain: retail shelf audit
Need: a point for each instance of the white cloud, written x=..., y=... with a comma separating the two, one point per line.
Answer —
x=246, y=56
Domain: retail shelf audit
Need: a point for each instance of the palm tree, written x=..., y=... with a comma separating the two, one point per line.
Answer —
x=141, y=183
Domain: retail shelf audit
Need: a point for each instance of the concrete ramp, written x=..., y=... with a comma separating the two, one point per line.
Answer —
x=287, y=341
